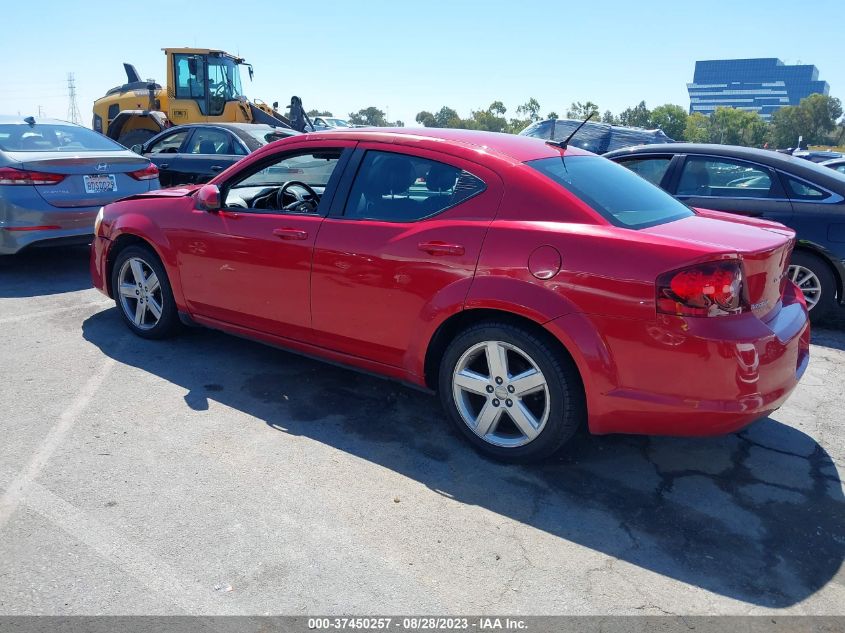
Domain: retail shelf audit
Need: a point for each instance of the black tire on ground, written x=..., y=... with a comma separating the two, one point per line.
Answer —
x=821, y=269
x=567, y=408
x=168, y=322
x=135, y=137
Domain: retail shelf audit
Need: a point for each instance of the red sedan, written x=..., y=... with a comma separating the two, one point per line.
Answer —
x=535, y=287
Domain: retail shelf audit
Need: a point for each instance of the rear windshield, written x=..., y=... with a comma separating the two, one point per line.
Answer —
x=618, y=194
x=47, y=137
x=268, y=134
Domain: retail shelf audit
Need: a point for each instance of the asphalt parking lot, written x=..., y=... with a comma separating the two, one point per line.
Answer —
x=208, y=474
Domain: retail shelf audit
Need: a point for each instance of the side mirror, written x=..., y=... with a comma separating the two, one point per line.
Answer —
x=208, y=198
x=137, y=148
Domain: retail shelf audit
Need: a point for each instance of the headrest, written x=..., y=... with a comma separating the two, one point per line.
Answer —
x=393, y=175
x=441, y=177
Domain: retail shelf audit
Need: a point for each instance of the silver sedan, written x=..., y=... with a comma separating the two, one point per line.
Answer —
x=55, y=176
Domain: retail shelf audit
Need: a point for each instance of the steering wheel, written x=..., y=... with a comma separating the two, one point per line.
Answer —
x=303, y=203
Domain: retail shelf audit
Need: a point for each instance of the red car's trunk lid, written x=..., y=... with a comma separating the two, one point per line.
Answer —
x=764, y=248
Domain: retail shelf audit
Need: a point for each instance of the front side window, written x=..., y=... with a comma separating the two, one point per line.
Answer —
x=652, y=169
x=275, y=186
x=723, y=178
x=170, y=144
x=616, y=193
x=400, y=188
x=209, y=141
x=48, y=137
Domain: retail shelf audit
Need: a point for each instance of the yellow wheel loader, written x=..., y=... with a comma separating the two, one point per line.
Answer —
x=203, y=85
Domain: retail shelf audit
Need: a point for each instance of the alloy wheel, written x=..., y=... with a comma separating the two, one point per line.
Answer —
x=501, y=394
x=140, y=293
x=808, y=282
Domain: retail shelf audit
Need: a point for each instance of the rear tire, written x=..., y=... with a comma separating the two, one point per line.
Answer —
x=136, y=137
x=521, y=407
x=816, y=280
x=142, y=293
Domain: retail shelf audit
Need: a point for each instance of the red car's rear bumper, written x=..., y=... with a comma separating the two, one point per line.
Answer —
x=698, y=376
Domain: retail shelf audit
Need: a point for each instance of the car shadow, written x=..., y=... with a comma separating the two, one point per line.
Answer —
x=756, y=516
x=44, y=271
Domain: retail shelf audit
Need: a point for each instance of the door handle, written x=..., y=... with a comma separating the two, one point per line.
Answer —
x=441, y=248
x=291, y=234
x=216, y=167
x=164, y=165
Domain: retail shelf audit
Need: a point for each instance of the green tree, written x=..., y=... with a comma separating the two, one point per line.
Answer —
x=820, y=115
x=313, y=113
x=788, y=123
x=492, y=119
x=609, y=118
x=530, y=108
x=638, y=116
x=731, y=126
x=552, y=115
x=369, y=116
x=426, y=118
x=697, y=128
x=672, y=119
x=447, y=117
x=581, y=111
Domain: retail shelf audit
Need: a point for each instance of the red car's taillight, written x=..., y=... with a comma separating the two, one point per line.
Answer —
x=147, y=173
x=711, y=289
x=12, y=176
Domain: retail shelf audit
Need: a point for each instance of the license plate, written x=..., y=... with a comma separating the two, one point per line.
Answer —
x=99, y=184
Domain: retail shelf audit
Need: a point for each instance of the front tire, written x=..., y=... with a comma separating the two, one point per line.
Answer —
x=142, y=293
x=815, y=279
x=510, y=393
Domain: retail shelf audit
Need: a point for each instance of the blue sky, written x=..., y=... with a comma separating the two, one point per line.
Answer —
x=404, y=57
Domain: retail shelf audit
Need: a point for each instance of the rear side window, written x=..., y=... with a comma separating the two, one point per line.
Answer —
x=652, y=169
x=724, y=178
x=401, y=188
x=46, y=137
x=618, y=194
x=800, y=190
x=209, y=141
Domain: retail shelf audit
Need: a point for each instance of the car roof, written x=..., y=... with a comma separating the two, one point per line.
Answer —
x=6, y=119
x=230, y=126
x=511, y=146
x=795, y=165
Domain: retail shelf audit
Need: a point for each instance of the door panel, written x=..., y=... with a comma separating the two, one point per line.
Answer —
x=237, y=267
x=375, y=281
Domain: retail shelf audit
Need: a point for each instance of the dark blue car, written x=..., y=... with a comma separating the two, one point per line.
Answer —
x=761, y=183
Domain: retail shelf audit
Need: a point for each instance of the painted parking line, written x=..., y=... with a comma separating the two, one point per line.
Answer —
x=21, y=483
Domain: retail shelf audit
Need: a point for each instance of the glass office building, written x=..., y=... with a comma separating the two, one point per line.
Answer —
x=757, y=85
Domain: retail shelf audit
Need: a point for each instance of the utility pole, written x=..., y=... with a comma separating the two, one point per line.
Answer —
x=40, y=112
x=72, y=108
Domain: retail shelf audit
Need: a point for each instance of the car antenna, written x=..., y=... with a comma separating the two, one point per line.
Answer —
x=563, y=144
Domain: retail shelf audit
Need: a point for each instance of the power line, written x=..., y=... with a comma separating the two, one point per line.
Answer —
x=73, y=114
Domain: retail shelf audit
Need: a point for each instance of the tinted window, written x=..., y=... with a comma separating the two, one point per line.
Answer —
x=46, y=137
x=803, y=190
x=401, y=188
x=840, y=168
x=618, y=194
x=723, y=178
x=169, y=144
x=652, y=169
x=209, y=141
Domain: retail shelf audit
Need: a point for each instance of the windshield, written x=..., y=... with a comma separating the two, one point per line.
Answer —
x=337, y=122
x=265, y=134
x=224, y=78
x=618, y=194
x=48, y=137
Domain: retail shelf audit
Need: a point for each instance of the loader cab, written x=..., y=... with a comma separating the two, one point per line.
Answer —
x=206, y=85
